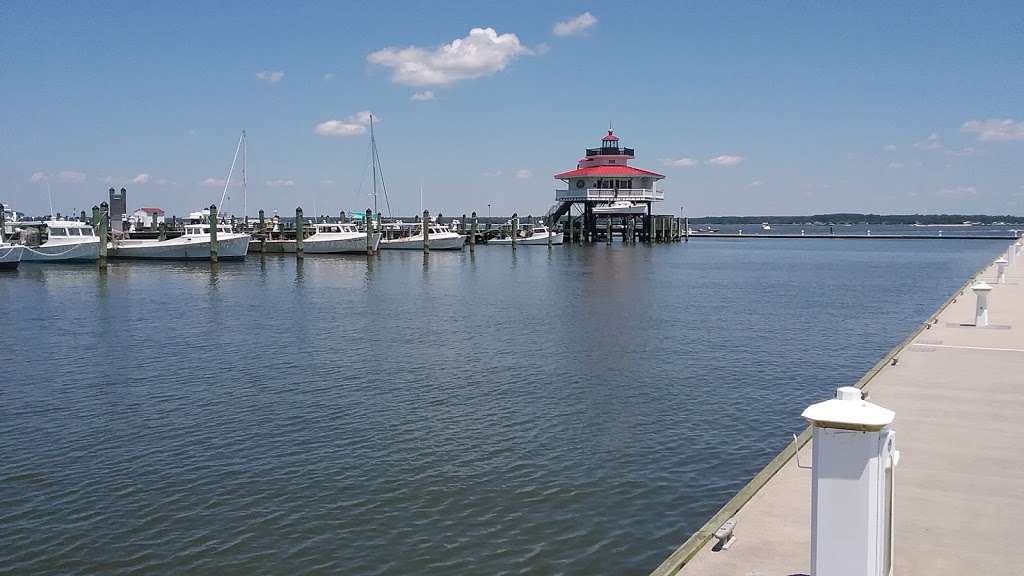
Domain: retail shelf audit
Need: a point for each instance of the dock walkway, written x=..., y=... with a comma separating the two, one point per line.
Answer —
x=959, y=401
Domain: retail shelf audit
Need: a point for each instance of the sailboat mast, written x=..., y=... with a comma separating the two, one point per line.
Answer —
x=373, y=162
x=245, y=198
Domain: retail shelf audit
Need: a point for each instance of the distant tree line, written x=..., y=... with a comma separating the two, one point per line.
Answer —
x=854, y=218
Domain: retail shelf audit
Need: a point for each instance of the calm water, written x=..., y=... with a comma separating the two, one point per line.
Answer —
x=579, y=411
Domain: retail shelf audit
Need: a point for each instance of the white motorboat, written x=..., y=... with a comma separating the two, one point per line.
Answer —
x=67, y=241
x=620, y=207
x=400, y=236
x=536, y=236
x=335, y=239
x=10, y=255
x=194, y=245
x=765, y=227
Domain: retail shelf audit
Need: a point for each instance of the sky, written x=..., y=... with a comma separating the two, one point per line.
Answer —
x=746, y=108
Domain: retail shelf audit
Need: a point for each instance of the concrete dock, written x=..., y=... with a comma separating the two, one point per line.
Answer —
x=959, y=400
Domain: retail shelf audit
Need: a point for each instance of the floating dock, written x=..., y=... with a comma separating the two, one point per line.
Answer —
x=956, y=390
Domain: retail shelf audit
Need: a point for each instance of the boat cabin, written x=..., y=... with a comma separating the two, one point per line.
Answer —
x=204, y=229
x=67, y=229
x=336, y=228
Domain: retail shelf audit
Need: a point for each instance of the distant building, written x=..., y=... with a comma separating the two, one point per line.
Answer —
x=118, y=209
x=144, y=217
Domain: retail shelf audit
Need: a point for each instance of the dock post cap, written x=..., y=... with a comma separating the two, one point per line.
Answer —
x=981, y=287
x=1002, y=260
x=849, y=411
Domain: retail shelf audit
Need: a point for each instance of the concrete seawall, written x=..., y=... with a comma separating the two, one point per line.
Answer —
x=960, y=484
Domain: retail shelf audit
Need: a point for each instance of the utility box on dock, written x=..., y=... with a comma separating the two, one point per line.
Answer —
x=852, y=486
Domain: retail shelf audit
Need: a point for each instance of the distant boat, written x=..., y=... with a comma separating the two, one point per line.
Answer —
x=337, y=238
x=765, y=226
x=194, y=245
x=537, y=236
x=67, y=241
x=620, y=207
x=401, y=236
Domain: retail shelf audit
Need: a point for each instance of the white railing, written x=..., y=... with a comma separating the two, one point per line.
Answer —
x=609, y=195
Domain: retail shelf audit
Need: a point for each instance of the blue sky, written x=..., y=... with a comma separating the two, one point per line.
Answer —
x=808, y=108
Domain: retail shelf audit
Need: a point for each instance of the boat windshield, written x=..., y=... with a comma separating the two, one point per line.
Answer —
x=58, y=231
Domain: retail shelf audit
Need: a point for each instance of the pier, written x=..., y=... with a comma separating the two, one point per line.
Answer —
x=954, y=385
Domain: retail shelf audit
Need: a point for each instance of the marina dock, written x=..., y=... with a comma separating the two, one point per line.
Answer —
x=955, y=389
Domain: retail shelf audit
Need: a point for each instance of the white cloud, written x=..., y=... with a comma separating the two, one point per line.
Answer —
x=958, y=192
x=280, y=183
x=329, y=76
x=354, y=125
x=895, y=165
x=141, y=179
x=755, y=184
x=491, y=173
x=38, y=177
x=481, y=53
x=542, y=48
x=326, y=182
x=679, y=162
x=523, y=173
x=574, y=26
x=932, y=142
x=270, y=76
x=724, y=160
x=889, y=147
x=422, y=96
x=995, y=129
x=214, y=182
x=965, y=151
x=71, y=177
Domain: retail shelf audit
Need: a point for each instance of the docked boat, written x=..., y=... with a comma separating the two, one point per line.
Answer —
x=400, y=236
x=66, y=241
x=620, y=207
x=335, y=239
x=765, y=226
x=193, y=245
x=535, y=236
x=10, y=255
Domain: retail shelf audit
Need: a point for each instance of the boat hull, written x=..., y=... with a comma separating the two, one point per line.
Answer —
x=184, y=248
x=78, y=252
x=10, y=257
x=354, y=245
x=542, y=240
x=455, y=242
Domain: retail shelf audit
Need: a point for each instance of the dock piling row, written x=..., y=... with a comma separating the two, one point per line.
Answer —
x=300, y=234
x=213, y=233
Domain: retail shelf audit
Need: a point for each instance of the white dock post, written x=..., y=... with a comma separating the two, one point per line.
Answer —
x=1018, y=247
x=981, y=312
x=1001, y=270
x=851, y=486
x=1011, y=254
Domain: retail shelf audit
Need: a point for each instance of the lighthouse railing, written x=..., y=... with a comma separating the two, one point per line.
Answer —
x=609, y=195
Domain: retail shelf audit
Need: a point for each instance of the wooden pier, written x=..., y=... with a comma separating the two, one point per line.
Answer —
x=955, y=388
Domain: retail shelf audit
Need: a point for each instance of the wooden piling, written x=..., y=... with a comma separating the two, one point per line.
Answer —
x=462, y=224
x=263, y=233
x=515, y=228
x=686, y=229
x=163, y=231
x=472, y=235
x=608, y=229
x=426, y=231
x=101, y=231
x=368, y=221
x=300, y=234
x=213, y=233
x=3, y=220
x=551, y=226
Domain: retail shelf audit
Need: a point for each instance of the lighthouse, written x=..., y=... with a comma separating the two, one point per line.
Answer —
x=605, y=185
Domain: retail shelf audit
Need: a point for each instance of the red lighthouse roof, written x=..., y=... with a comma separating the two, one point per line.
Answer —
x=606, y=170
x=611, y=137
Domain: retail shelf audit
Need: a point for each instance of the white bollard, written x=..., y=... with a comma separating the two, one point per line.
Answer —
x=1011, y=254
x=852, y=481
x=1018, y=247
x=1001, y=270
x=981, y=312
